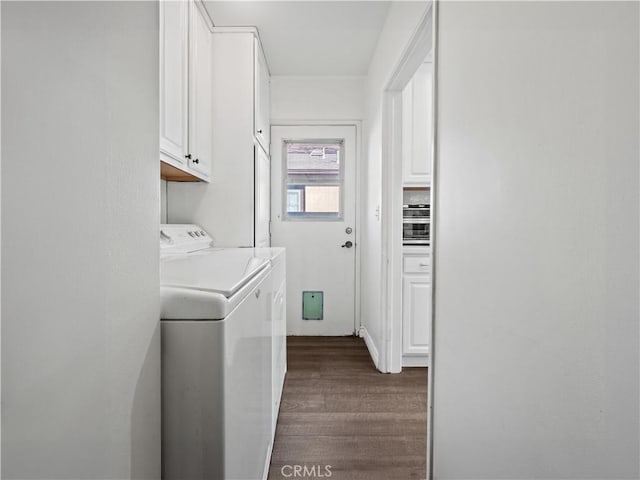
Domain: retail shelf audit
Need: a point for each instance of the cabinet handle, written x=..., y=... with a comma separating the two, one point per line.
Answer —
x=188, y=155
x=196, y=161
x=258, y=293
x=260, y=131
x=424, y=264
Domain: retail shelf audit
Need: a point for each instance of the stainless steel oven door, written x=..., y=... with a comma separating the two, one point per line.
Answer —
x=415, y=232
x=416, y=212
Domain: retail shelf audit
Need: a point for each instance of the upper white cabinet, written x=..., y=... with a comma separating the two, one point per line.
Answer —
x=417, y=128
x=262, y=98
x=174, y=80
x=201, y=93
x=186, y=74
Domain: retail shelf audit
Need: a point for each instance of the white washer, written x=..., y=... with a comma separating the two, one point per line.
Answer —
x=216, y=358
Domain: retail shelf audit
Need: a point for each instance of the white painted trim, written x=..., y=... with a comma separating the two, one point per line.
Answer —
x=415, y=361
x=358, y=125
x=391, y=267
x=320, y=123
x=205, y=13
x=434, y=205
x=373, y=350
x=415, y=52
x=321, y=77
x=0, y=267
x=246, y=29
x=422, y=42
x=267, y=463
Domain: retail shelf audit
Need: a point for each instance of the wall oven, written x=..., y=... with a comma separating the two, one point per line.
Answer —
x=416, y=223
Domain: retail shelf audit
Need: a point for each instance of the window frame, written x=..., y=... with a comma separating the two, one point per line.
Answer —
x=313, y=216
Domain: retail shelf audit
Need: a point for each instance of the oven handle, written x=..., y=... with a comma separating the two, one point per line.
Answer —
x=416, y=220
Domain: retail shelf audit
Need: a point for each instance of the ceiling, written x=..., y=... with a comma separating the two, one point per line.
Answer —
x=309, y=37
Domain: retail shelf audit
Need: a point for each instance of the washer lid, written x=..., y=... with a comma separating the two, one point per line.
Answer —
x=223, y=271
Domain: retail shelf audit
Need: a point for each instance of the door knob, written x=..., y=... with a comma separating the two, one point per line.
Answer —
x=347, y=244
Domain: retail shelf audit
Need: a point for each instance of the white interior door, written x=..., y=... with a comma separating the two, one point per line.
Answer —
x=313, y=185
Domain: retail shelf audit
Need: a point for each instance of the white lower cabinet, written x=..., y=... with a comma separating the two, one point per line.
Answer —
x=416, y=311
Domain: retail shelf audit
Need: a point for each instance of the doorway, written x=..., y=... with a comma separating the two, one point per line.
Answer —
x=313, y=215
x=420, y=48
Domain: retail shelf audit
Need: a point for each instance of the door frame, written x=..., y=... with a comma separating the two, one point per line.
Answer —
x=357, y=324
x=422, y=42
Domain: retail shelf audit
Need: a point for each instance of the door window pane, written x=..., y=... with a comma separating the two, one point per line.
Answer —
x=314, y=180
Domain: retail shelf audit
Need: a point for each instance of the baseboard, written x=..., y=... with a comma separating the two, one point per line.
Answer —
x=373, y=351
x=273, y=433
x=415, y=360
x=265, y=474
x=267, y=466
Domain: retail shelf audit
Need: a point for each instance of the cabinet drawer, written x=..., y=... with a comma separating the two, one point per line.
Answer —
x=417, y=264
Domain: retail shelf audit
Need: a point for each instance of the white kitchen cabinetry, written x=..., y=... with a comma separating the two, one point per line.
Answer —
x=262, y=97
x=263, y=198
x=416, y=309
x=200, y=93
x=417, y=128
x=186, y=70
x=234, y=206
x=174, y=67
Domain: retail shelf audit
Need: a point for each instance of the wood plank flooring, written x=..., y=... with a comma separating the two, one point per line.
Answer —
x=337, y=410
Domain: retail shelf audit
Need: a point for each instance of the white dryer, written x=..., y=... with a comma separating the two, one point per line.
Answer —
x=216, y=358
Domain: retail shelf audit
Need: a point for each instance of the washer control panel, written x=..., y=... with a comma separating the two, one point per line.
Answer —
x=183, y=238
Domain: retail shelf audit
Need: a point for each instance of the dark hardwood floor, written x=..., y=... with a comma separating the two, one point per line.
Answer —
x=339, y=411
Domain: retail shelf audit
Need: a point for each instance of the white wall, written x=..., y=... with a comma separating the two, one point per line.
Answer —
x=224, y=207
x=401, y=22
x=536, y=334
x=163, y=201
x=317, y=98
x=80, y=209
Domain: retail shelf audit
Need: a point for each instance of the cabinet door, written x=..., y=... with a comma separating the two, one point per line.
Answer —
x=174, y=54
x=201, y=93
x=262, y=94
x=417, y=130
x=416, y=314
x=262, y=198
